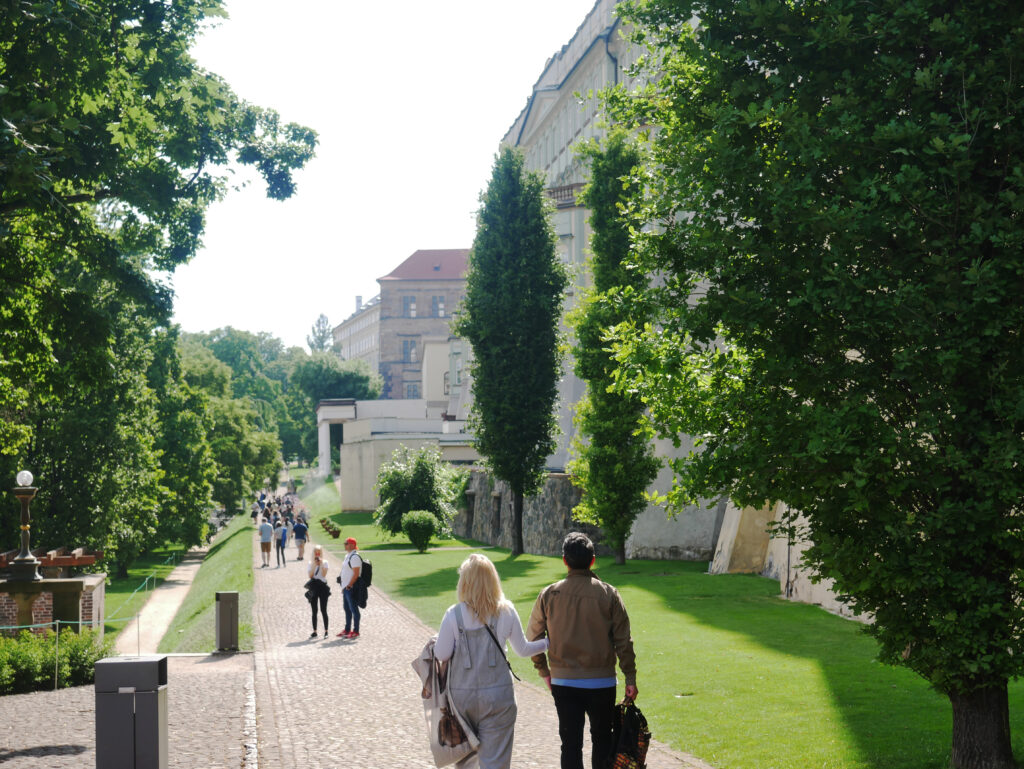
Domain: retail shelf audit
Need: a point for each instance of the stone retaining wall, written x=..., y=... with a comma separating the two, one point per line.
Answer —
x=547, y=517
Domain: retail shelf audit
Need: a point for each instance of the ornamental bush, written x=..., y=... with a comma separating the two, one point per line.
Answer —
x=417, y=480
x=28, y=662
x=419, y=526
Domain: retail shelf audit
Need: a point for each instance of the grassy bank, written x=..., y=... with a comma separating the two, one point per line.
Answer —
x=728, y=671
x=227, y=567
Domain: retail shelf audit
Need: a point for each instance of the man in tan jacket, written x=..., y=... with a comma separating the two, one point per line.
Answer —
x=588, y=629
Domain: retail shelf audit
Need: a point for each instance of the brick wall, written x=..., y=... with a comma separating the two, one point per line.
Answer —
x=42, y=612
x=8, y=612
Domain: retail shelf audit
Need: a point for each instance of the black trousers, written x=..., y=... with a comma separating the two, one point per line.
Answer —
x=573, y=705
x=321, y=595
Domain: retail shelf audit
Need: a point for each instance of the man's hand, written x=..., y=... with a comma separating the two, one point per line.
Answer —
x=547, y=680
x=631, y=692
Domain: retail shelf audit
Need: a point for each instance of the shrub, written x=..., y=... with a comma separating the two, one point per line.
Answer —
x=27, y=662
x=417, y=480
x=419, y=526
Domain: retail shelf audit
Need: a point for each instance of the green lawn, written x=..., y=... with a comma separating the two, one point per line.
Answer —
x=728, y=671
x=125, y=596
x=227, y=567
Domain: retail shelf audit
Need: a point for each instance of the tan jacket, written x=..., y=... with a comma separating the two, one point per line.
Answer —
x=587, y=626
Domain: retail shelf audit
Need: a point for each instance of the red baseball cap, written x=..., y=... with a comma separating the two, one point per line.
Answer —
x=350, y=540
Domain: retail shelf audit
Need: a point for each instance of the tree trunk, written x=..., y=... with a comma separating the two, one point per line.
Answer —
x=981, y=729
x=620, y=554
x=517, y=523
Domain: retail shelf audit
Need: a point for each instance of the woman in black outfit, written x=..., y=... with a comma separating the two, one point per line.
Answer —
x=320, y=589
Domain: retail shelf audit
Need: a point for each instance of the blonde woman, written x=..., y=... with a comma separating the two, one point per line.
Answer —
x=320, y=589
x=473, y=636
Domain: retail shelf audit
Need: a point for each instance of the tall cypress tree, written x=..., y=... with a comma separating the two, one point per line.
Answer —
x=510, y=316
x=613, y=461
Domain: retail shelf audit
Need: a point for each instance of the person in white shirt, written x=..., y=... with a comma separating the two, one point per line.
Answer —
x=266, y=537
x=473, y=636
x=350, y=569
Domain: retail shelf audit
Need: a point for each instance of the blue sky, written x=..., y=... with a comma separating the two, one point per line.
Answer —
x=410, y=100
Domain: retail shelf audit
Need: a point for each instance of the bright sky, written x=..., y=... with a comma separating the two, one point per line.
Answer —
x=410, y=100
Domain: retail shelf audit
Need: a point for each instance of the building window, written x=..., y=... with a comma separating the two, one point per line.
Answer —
x=412, y=390
x=409, y=306
x=458, y=371
x=408, y=350
x=437, y=306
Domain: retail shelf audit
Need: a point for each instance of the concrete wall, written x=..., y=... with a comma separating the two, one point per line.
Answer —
x=783, y=562
x=361, y=461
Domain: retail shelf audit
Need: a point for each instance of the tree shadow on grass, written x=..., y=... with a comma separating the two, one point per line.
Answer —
x=894, y=719
x=224, y=540
x=443, y=580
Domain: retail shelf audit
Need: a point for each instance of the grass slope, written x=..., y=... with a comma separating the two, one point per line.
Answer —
x=227, y=567
x=727, y=670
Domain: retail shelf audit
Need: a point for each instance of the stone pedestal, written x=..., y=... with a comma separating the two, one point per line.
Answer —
x=77, y=601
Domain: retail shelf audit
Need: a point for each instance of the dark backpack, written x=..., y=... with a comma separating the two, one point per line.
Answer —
x=366, y=573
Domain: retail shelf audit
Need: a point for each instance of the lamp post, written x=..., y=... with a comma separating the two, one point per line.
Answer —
x=25, y=568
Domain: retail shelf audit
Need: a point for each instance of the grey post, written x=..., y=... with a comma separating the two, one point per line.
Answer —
x=227, y=621
x=131, y=713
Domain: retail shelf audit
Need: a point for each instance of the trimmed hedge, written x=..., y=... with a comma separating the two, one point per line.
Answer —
x=27, y=662
x=419, y=526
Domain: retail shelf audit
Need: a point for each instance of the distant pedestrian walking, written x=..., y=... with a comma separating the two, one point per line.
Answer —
x=300, y=531
x=473, y=635
x=320, y=590
x=266, y=539
x=280, y=540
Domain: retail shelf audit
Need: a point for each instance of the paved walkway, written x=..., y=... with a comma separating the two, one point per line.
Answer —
x=296, y=703
x=143, y=633
x=329, y=702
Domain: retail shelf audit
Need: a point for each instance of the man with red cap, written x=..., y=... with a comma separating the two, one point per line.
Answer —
x=350, y=569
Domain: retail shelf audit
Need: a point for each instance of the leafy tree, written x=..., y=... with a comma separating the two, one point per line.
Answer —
x=186, y=458
x=321, y=338
x=94, y=449
x=510, y=315
x=244, y=452
x=613, y=459
x=323, y=376
x=113, y=144
x=836, y=189
x=417, y=480
x=245, y=455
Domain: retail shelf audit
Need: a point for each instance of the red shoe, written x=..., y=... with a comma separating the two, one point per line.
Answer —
x=343, y=634
x=353, y=635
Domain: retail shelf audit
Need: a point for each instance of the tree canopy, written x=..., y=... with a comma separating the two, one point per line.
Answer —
x=113, y=143
x=832, y=209
x=321, y=335
x=511, y=316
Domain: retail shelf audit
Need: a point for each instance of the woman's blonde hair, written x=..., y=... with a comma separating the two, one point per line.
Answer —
x=480, y=587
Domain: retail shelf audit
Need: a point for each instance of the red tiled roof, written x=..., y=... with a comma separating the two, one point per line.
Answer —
x=432, y=264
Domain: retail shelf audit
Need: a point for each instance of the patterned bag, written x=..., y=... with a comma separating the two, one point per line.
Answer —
x=632, y=737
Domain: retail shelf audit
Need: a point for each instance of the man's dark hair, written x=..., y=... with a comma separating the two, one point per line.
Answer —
x=577, y=550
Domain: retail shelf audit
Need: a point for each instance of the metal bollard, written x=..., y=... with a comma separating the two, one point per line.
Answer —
x=227, y=621
x=131, y=713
